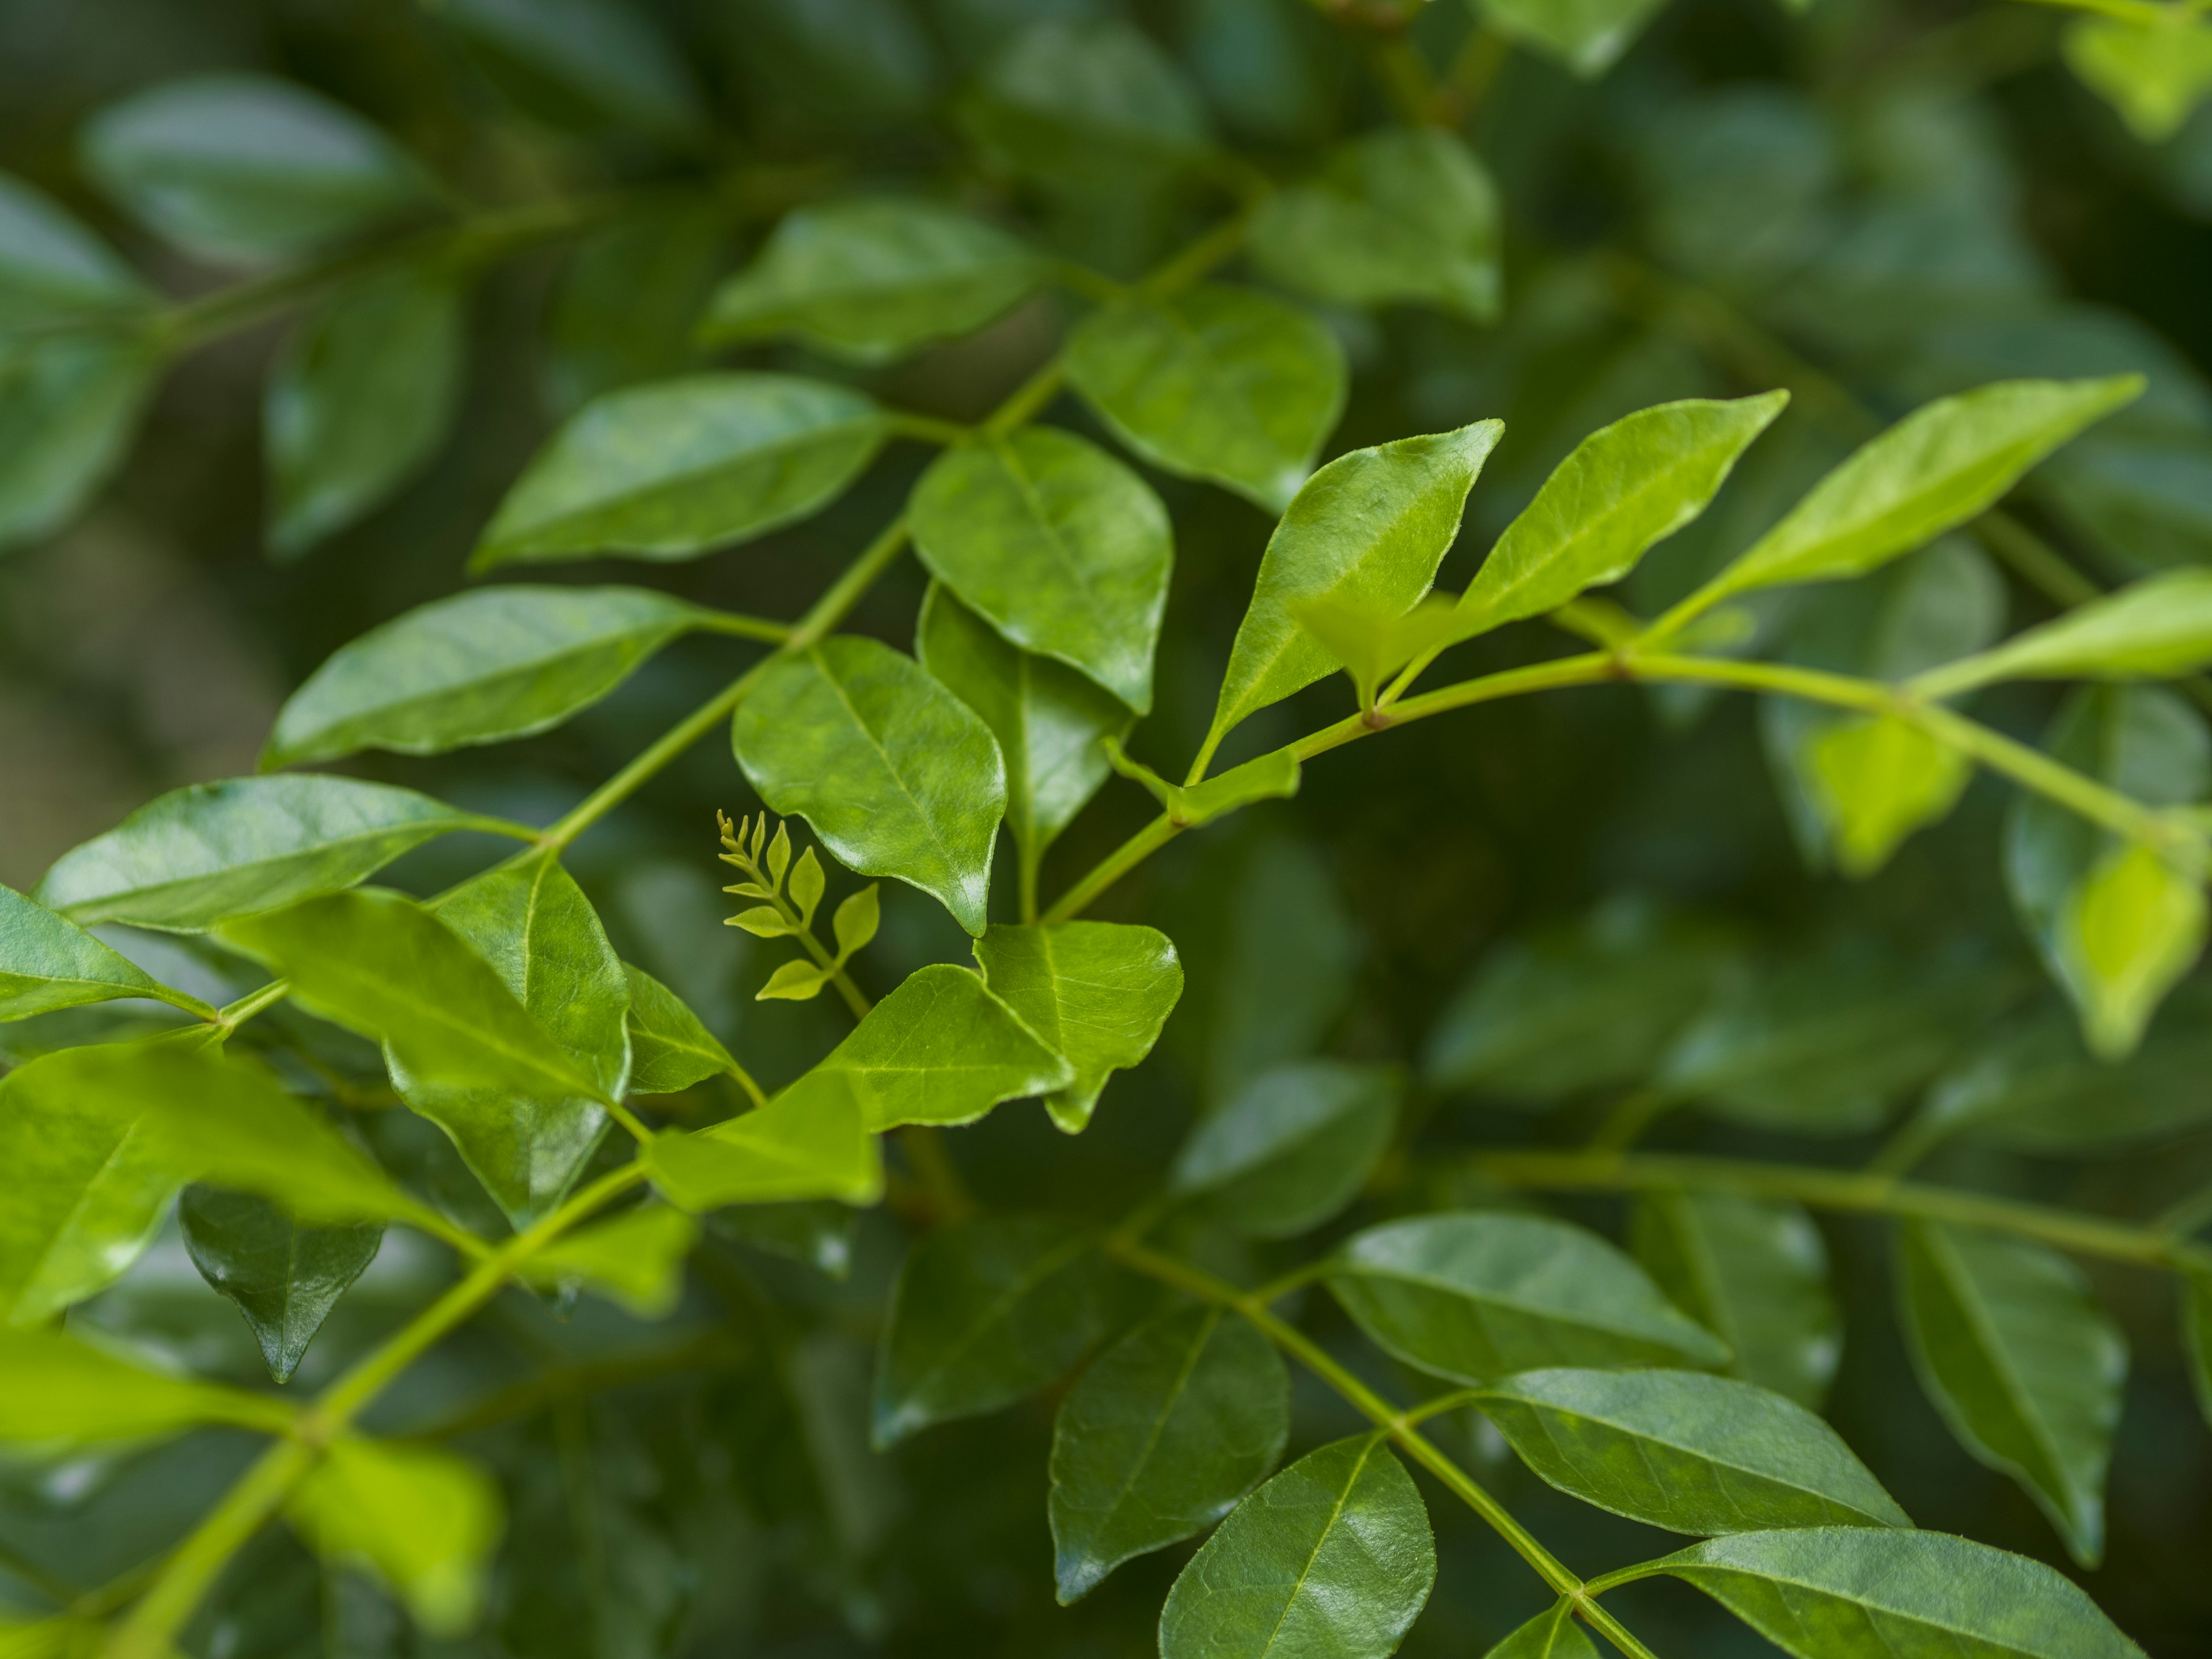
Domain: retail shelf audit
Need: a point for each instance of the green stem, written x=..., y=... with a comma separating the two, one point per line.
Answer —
x=1110, y=869
x=926, y=428
x=1632, y=1114
x=254, y=1002
x=745, y=628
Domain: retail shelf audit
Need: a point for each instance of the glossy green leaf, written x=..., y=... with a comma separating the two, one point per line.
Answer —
x=941, y=1048
x=283, y=1275
x=2157, y=628
x=2022, y=1364
x=637, y=1258
x=895, y=774
x=52, y=266
x=1098, y=993
x=1370, y=527
x=678, y=467
x=582, y=64
x=1587, y=36
x=62, y=1389
x=46, y=963
x=360, y=401
x=1846, y=1592
x=1875, y=779
x=1403, y=216
x=2155, y=70
x=245, y=167
x=1551, y=1634
x=424, y=1520
x=480, y=666
x=812, y=1141
x=1160, y=1437
x=670, y=1048
x=1293, y=1148
x=210, y=851
x=1686, y=1451
x=1086, y=103
x=68, y=404
x=1372, y=643
x=1218, y=383
x=1476, y=1297
x=1046, y=718
x=1753, y=1271
x=871, y=279
x=1058, y=546
x=1331, y=1559
x=984, y=1313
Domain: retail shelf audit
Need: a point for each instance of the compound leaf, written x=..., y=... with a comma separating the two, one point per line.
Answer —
x=1292, y=1149
x=1098, y=992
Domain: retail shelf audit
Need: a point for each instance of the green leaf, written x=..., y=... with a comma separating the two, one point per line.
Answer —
x=670, y=1048
x=283, y=1275
x=210, y=851
x=423, y=1520
x=1587, y=36
x=2134, y=926
x=1058, y=546
x=1097, y=992
x=941, y=1048
x=1846, y=1592
x=1371, y=643
x=2159, y=627
x=481, y=667
x=2196, y=1336
x=622, y=311
x=1473, y=1296
x=984, y=1313
x=2022, y=1364
x=1936, y=468
x=893, y=772
x=62, y=1389
x=1406, y=215
x=47, y=964
x=871, y=279
x=1372, y=527
x=360, y=401
x=636, y=1259
x=582, y=64
x=2155, y=70
x=68, y=404
x=1160, y=1437
x=1331, y=1559
x=1272, y=776
x=1875, y=780
x=245, y=167
x=1218, y=383
x=51, y=266
x=810, y=1142
x=678, y=467
x=1686, y=1451
x=1293, y=1148
x=1623, y=488
x=1753, y=1271
x=1551, y=1634
x=1085, y=105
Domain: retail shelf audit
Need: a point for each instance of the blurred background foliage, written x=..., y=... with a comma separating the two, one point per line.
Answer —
x=1537, y=908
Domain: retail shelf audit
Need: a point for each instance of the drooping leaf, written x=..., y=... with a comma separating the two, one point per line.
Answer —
x=1370, y=527
x=1877, y=779
x=984, y=1313
x=1754, y=1272
x=1406, y=215
x=2022, y=1364
x=873, y=278
x=582, y=64
x=812, y=1141
x=1162, y=1435
x=1475, y=1297
x=198, y=855
x=2157, y=628
x=942, y=1049
x=2133, y=927
x=895, y=774
x=69, y=402
x=1218, y=383
x=1098, y=993
x=1686, y=1452
x=1293, y=1148
x=46, y=963
x=1085, y=104
x=670, y=1048
x=245, y=167
x=1333, y=1558
x=424, y=1520
x=60, y=1388
x=1058, y=546
x=2155, y=70
x=677, y=467
x=283, y=1275
x=360, y=401
x=1551, y=1634
x=637, y=1258
x=51, y=266
x=1587, y=36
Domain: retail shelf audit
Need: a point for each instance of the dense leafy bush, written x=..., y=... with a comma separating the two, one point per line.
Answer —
x=1220, y=1217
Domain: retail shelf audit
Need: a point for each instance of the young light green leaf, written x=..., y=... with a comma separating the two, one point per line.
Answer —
x=810, y=1142
x=1402, y=215
x=1160, y=1437
x=1291, y=1150
x=2152, y=68
x=283, y=1275
x=62, y=1389
x=808, y=884
x=636, y=1259
x=678, y=467
x=69, y=402
x=870, y=279
x=1097, y=992
x=1551, y=1634
x=984, y=1313
x=943, y=1049
x=1473, y=1296
x=855, y=923
x=1587, y=36
x=480, y=666
x=1686, y=1451
x=1218, y=383
x=2134, y=926
x=422, y=1520
x=764, y=921
x=2157, y=628
x=670, y=1048
x=47, y=964
x=198, y=855
x=1845, y=1592
x=359, y=402
x=1875, y=780
x=796, y=980
x=1331, y=1558
x=582, y=64
x=1370, y=527
x=245, y=167
x=1272, y=776
x=2024, y=1366
x=1754, y=1272
x=1058, y=546
x=1370, y=642
x=51, y=266
x=895, y=774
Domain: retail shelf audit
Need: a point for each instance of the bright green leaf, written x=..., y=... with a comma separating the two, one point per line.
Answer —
x=283, y=1275
x=1272, y=776
x=46, y=963
x=1293, y=1148
x=2154, y=68
x=2159, y=627
x=670, y=1048
x=2134, y=926
x=1371, y=643
x=1098, y=993
x=637, y=1258
x=423, y=1520
x=69, y=402
x=1551, y=1634
x=1877, y=779
x=810, y=1142
x=62, y=1389
x=941, y=1048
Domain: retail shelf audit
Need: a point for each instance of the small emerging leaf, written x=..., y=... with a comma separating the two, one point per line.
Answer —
x=856, y=921
x=762, y=921
x=2135, y=926
x=807, y=886
x=796, y=980
x=1876, y=778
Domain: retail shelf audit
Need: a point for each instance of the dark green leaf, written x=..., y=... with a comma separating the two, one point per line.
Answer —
x=68, y=404
x=59, y=1388
x=2196, y=1336
x=424, y=1520
x=621, y=312
x=1283, y=970
x=636, y=1259
x=1164, y=1432
x=812, y=1141
x=47, y=964
x=51, y=266
x=1588, y=36
x=941, y=1048
x=1551, y=1634
x=1331, y=1559
x=1085, y=104
x=1095, y=992
x=283, y=1276
x=670, y=1049
x=1293, y=1149
x=585, y=64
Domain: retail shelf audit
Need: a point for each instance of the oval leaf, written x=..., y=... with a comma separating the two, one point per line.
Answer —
x=68, y=404
x=670, y=1047
x=1098, y=993
x=59, y=1388
x=47, y=964
x=941, y=1048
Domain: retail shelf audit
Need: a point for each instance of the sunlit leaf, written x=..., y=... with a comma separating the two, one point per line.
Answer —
x=1877, y=779
x=62, y=1389
x=1095, y=992
x=2155, y=70
x=942, y=1049
x=424, y=1520
x=812, y=1141
x=2157, y=628
x=637, y=1258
